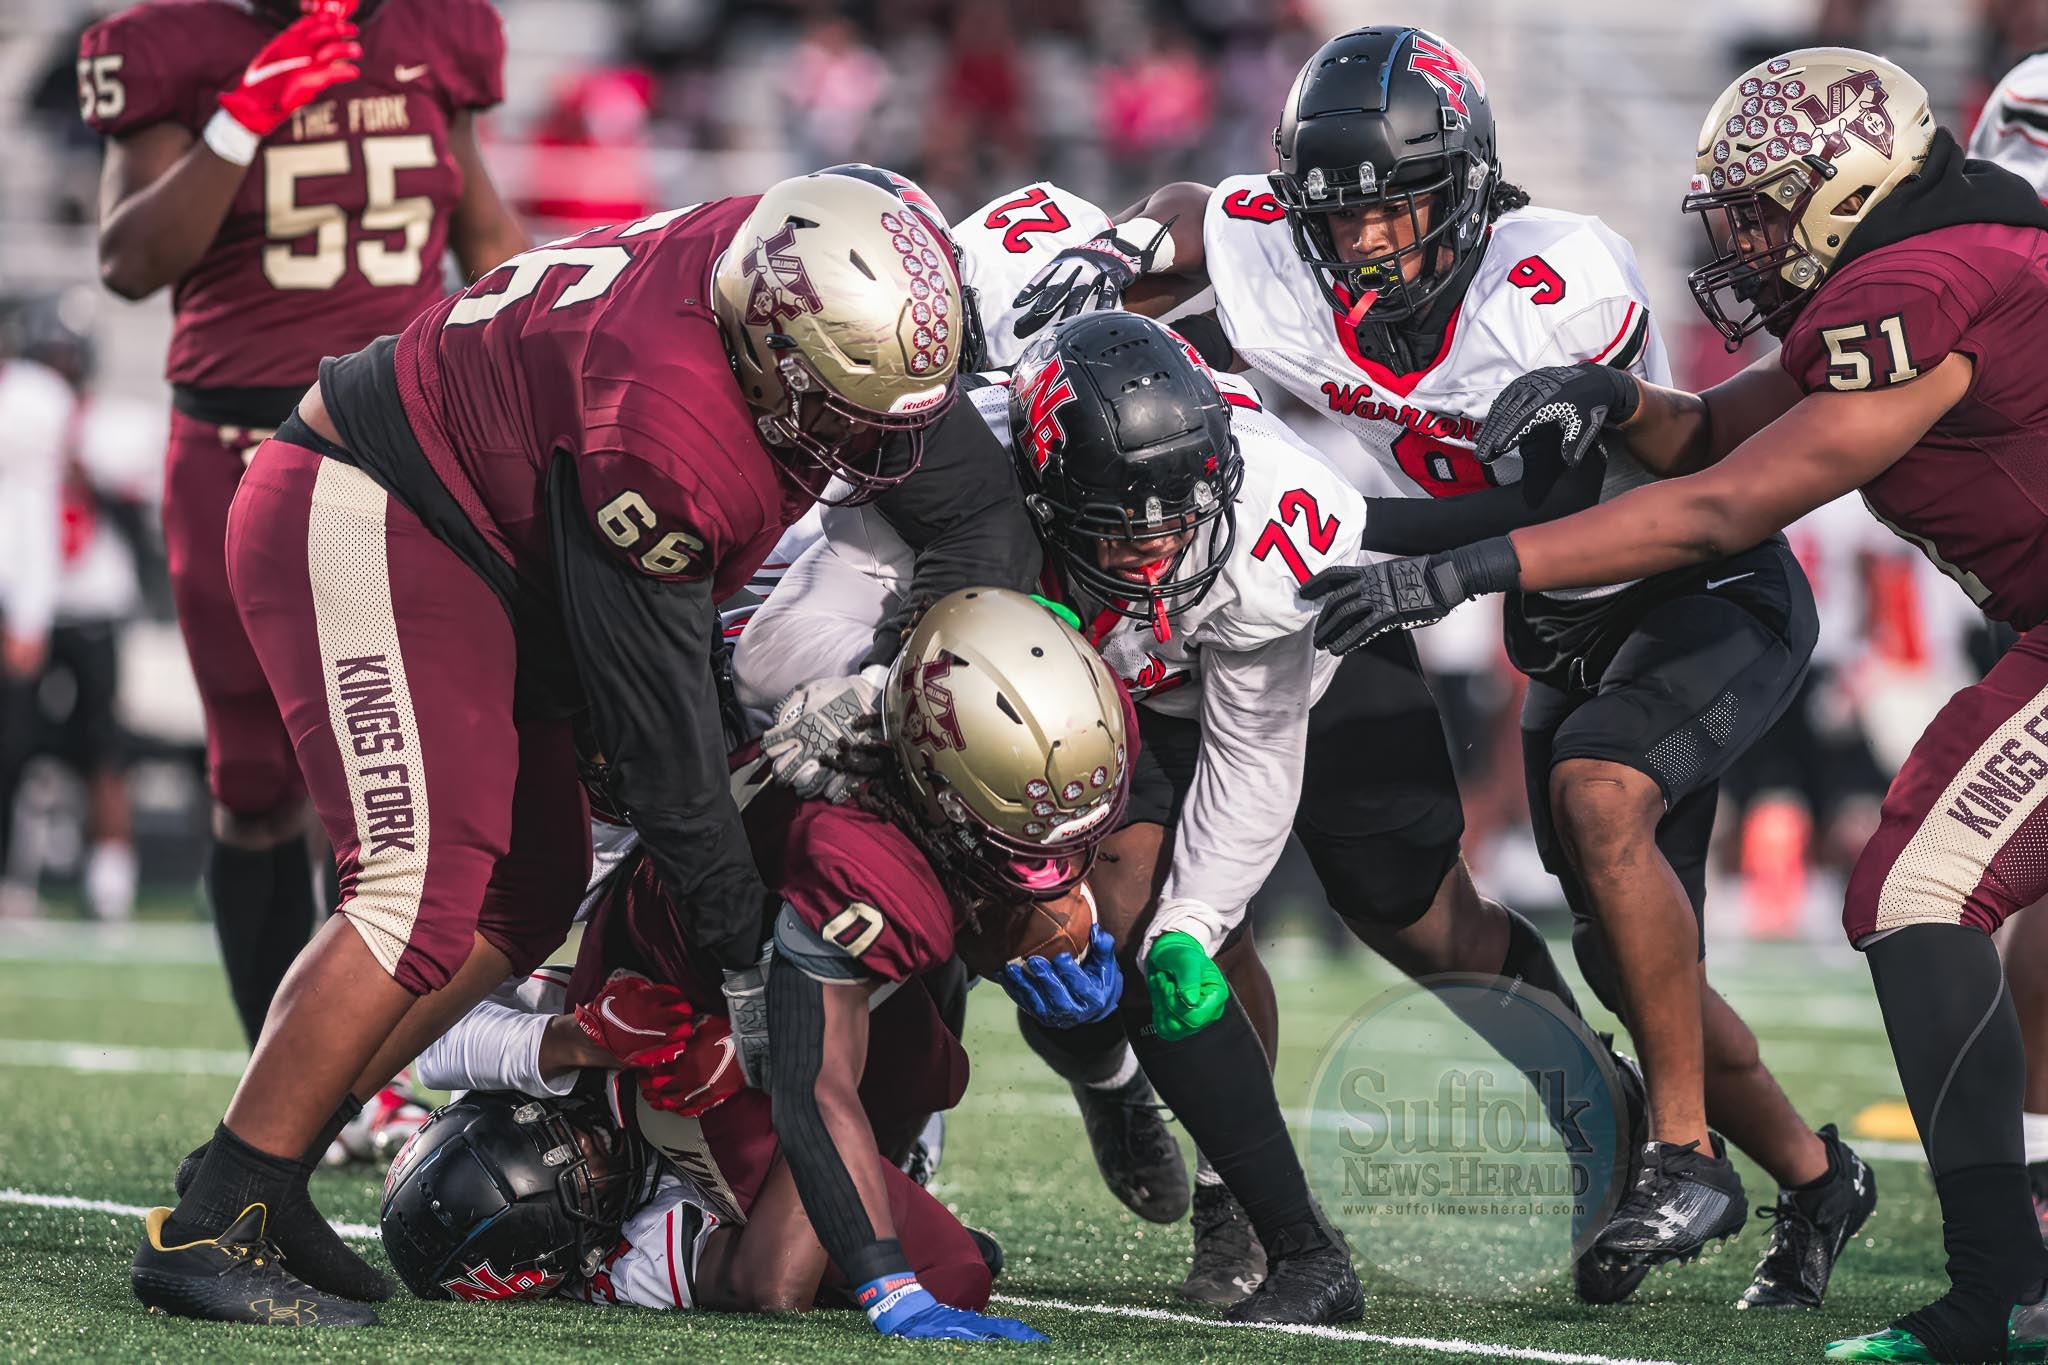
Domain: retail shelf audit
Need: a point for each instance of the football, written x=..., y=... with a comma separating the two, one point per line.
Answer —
x=1038, y=929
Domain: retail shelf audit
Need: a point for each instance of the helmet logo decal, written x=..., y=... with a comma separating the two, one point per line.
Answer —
x=1050, y=391
x=781, y=287
x=483, y=1284
x=1855, y=106
x=1445, y=68
x=929, y=719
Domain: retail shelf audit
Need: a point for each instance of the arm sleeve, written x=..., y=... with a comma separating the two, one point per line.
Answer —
x=822, y=619
x=496, y=1046
x=1255, y=706
x=963, y=518
x=643, y=649
x=1424, y=526
x=796, y=1023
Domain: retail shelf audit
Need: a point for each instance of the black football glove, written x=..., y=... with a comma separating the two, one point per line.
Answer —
x=1361, y=602
x=1564, y=404
x=1087, y=278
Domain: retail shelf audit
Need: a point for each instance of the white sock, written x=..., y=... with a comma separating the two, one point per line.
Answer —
x=110, y=881
x=2034, y=1128
x=1125, y=1070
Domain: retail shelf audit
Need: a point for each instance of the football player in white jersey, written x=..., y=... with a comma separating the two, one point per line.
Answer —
x=2012, y=130
x=1179, y=523
x=1389, y=277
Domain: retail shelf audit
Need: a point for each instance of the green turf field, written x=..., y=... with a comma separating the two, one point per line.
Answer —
x=118, y=1053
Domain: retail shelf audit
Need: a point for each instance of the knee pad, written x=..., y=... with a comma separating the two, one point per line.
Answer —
x=1380, y=882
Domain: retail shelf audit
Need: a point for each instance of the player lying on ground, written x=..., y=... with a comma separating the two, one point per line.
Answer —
x=297, y=173
x=416, y=546
x=1907, y=285
x=1392, y=280
x=709, y=1216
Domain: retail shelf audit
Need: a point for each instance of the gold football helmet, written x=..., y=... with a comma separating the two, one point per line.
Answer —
x=841, y=313
x=1012, y=738
x=1795, y=154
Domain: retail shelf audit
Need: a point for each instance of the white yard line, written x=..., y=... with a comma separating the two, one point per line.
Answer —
x=1439, y=1345
x=358, y=1231
x=114, y=1057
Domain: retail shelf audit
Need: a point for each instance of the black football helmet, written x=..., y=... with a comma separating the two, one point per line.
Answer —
x=973, y=343
x=502, y=1196
x=1121, y=436
x=1387, y=116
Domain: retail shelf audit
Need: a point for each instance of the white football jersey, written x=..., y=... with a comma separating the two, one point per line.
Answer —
x=655, y=1262
x=2013, y=129
x=1008, y=240
x=1240, y=660
x=1296, y=516
x=1552, y=289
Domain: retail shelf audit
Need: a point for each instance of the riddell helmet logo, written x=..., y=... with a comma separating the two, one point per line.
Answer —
x=483, y=1284
x=1444, y=67
x=931, y=722
x=1050, y=391
x=1854, y=107
x=781, y=286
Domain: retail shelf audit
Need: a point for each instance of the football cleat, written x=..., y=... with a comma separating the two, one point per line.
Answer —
x=991, y=1251
x=1682, y=1200
x=375, y=1134
x=1305, y=1288
x=1599, y=1278
x=2026, y=1343
x=1809, y=1229
x=238, y=1276
x=1229, y=1262
x=1139, y=1159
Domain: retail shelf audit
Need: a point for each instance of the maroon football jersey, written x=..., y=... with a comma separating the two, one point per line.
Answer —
x=855, y=878
x=1973, y=494
x=603, y=346
x=338, y=230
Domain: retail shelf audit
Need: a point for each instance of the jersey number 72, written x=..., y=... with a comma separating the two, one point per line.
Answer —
x=1322, y=533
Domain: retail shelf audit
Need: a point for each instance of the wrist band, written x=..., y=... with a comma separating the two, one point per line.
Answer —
x=229, y=140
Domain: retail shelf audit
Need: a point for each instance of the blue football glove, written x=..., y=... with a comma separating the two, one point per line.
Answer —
x=1063, y=993
x=899, y=1306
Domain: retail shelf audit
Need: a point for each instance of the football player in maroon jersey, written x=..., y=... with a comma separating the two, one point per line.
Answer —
x=296, y=177
x=518, y=513
x=1909, y=286
x=1008, y=760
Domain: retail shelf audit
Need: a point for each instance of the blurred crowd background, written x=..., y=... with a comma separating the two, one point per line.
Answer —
x=616, y=107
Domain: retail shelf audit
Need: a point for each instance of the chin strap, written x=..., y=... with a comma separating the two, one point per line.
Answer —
x=1162, y=630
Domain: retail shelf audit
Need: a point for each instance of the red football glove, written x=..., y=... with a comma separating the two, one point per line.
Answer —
x=317, y=50
x=638, y=1021
x=704, y=1075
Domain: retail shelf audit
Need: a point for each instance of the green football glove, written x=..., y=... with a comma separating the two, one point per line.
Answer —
x=1187, y=988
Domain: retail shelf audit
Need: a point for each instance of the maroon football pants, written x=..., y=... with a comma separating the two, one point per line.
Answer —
x=392, y=665
x=250, y=767
x=1963, y=838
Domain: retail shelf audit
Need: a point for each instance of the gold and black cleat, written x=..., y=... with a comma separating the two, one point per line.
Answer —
x=237, y=1276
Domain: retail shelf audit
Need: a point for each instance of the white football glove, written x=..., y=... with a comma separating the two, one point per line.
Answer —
x=818, y=723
